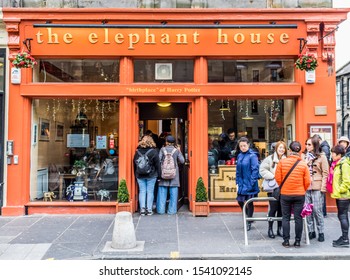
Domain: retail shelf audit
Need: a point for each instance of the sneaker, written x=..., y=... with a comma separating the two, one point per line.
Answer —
x=297, y=243
x=338, y=240
x=149, y=213
x=321, y=237
x=341, y=243
x=312, y=235
x=143, y=212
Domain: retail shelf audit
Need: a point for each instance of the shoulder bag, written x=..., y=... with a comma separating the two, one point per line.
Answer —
x=276, y=193
x=269, y=185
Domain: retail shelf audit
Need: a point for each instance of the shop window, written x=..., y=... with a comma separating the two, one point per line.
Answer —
x=256, y=76
x=239, y=75
x=168, y=71
x=77, y=71
x=267, y=125
x=348, y=89
x=273, y=75
x=75, y=146
x=338, y=88
x=245, y=71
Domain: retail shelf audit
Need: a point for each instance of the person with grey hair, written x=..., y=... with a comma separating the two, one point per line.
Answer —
x=345, y=142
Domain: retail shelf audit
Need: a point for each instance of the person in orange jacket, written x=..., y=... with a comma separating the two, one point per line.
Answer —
x=293, y=191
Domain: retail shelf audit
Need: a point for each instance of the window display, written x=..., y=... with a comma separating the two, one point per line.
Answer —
x=77, y=148
x=262, y=121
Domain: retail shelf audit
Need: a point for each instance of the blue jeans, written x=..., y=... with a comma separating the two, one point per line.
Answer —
x=146, y=192
x=161, y=199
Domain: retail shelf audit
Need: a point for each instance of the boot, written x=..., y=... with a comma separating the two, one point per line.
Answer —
x=270, y=231
x=297, y=243
x=312, y=235
x=321, y=237
x=286, y=243
x=249, y=226
x=279, y=229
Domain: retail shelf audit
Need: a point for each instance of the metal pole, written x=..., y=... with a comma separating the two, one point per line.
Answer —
x=245, y=222
x=245, y=219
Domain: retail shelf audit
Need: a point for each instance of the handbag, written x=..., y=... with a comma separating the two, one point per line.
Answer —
x=307, y=209
x=269, y=185
x=276, y=193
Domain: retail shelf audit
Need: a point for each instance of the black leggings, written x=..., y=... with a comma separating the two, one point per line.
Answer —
x=275, y=207
x=249, y=210
x=343, y=208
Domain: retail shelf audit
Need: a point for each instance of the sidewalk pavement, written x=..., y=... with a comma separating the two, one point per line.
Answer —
x=180, y=236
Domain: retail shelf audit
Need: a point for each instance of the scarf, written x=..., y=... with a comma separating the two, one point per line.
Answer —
x=329, y=184
x=310, y=161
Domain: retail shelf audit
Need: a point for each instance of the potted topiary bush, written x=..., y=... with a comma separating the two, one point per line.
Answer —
x=201, y=205
x=124, y=202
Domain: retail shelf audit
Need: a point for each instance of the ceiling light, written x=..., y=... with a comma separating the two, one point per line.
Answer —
x=163, y=104
x=247, y=118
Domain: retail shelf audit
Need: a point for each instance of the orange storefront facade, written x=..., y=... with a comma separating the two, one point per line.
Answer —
x=102, y=72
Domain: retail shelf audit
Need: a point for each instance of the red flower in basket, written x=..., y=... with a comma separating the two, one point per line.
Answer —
x=306, y=62
x=24, y=60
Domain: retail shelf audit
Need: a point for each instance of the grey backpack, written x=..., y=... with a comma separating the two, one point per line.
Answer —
x=168, y=165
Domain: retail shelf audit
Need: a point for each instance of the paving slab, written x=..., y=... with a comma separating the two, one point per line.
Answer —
x=182, y=236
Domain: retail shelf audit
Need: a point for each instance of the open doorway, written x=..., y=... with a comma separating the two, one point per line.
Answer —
x=163, y=121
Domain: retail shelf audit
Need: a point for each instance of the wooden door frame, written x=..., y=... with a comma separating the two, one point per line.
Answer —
x=135, y=131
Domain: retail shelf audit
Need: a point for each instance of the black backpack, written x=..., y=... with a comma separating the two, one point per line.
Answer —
x=143, y=164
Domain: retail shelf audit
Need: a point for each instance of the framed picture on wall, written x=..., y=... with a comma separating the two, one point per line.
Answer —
x=44, y=129
x=59, y=132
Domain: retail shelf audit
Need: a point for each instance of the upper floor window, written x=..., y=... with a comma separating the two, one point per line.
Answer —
x=165, y=71
x=264, y=71
x=338, y=95
x=77, y=71
x=348, y=89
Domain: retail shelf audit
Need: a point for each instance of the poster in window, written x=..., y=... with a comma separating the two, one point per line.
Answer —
x=323, y=130
x=44, y=130
x=101, y=142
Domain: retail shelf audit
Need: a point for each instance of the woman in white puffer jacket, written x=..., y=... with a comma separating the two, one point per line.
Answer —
x=267, y=171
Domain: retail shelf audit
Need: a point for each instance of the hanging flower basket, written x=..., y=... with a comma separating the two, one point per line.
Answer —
x=307, y=62
x=24, y=60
